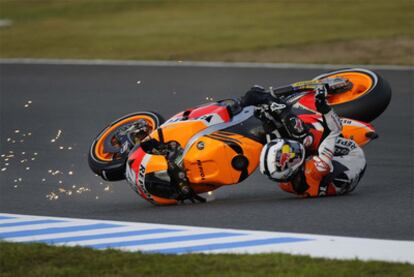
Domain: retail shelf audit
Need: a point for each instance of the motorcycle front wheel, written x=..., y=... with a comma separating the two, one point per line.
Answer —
x=111, y=165
x=365, y=100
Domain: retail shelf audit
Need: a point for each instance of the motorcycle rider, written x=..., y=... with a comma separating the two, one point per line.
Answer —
x=335, y=169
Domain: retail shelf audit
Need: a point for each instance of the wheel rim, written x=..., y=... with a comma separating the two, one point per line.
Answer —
x=99, y=146
x=362, y=84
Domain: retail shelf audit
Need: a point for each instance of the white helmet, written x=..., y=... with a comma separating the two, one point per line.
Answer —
x=281, y=158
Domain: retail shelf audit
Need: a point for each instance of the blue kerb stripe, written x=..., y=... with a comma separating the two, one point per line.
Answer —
x=228, y=245
x=5, y=217
x=107, y=235
x=56, y=230
x=165, y=240
x=32, y=222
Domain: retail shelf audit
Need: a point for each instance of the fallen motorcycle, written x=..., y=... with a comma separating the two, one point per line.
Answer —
x=219, y=143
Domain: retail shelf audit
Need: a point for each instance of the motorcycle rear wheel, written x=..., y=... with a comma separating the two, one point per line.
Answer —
x=366, y=100
x=110, y=166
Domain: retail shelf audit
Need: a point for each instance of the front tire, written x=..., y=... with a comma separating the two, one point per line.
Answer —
x=366, y=100
x=109, y=165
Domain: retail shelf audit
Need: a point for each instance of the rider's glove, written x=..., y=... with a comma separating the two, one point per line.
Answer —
x=257, y=95
x=254, y=96
x=320, y=101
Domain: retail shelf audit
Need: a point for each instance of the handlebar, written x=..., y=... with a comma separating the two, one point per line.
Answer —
x=330, y=84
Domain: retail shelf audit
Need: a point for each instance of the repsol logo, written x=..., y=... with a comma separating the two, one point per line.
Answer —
x=201, y=170
x=141, y=174
x=141, y=181
x=131, y=177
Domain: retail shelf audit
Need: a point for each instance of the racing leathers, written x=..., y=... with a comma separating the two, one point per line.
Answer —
x=336, y=169
x=338, y=164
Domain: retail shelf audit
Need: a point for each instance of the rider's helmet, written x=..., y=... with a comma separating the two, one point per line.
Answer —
x=280, y=159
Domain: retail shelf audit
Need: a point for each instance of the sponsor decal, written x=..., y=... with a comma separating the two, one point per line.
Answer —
x=345, y=143
x=201, y=170
x=131, y=177
x=208, y=119
x=141, y=178
x=355, y=123
x=340, y=151
x=297, y=124
x=346, y=121
x=276, y=106
x=285, y=156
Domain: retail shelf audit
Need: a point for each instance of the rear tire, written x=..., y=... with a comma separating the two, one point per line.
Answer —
x=107, y=165
x=367, y=105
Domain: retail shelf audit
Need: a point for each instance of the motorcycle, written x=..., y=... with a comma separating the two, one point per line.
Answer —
x=219, y=143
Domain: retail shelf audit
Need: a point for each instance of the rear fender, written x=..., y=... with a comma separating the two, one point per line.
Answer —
x=360, y=132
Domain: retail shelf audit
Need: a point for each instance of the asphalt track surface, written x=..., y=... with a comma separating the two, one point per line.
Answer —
x=79, y=100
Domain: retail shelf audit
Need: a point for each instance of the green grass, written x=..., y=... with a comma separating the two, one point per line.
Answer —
x=354, y=31
x=43, y=260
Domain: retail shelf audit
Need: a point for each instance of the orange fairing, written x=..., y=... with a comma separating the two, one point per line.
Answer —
x=357, y=131
x=163, y=201
x=362, y=83
x=155, y=164
x=209, y=160
x=180, y=132
x=99, y=149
